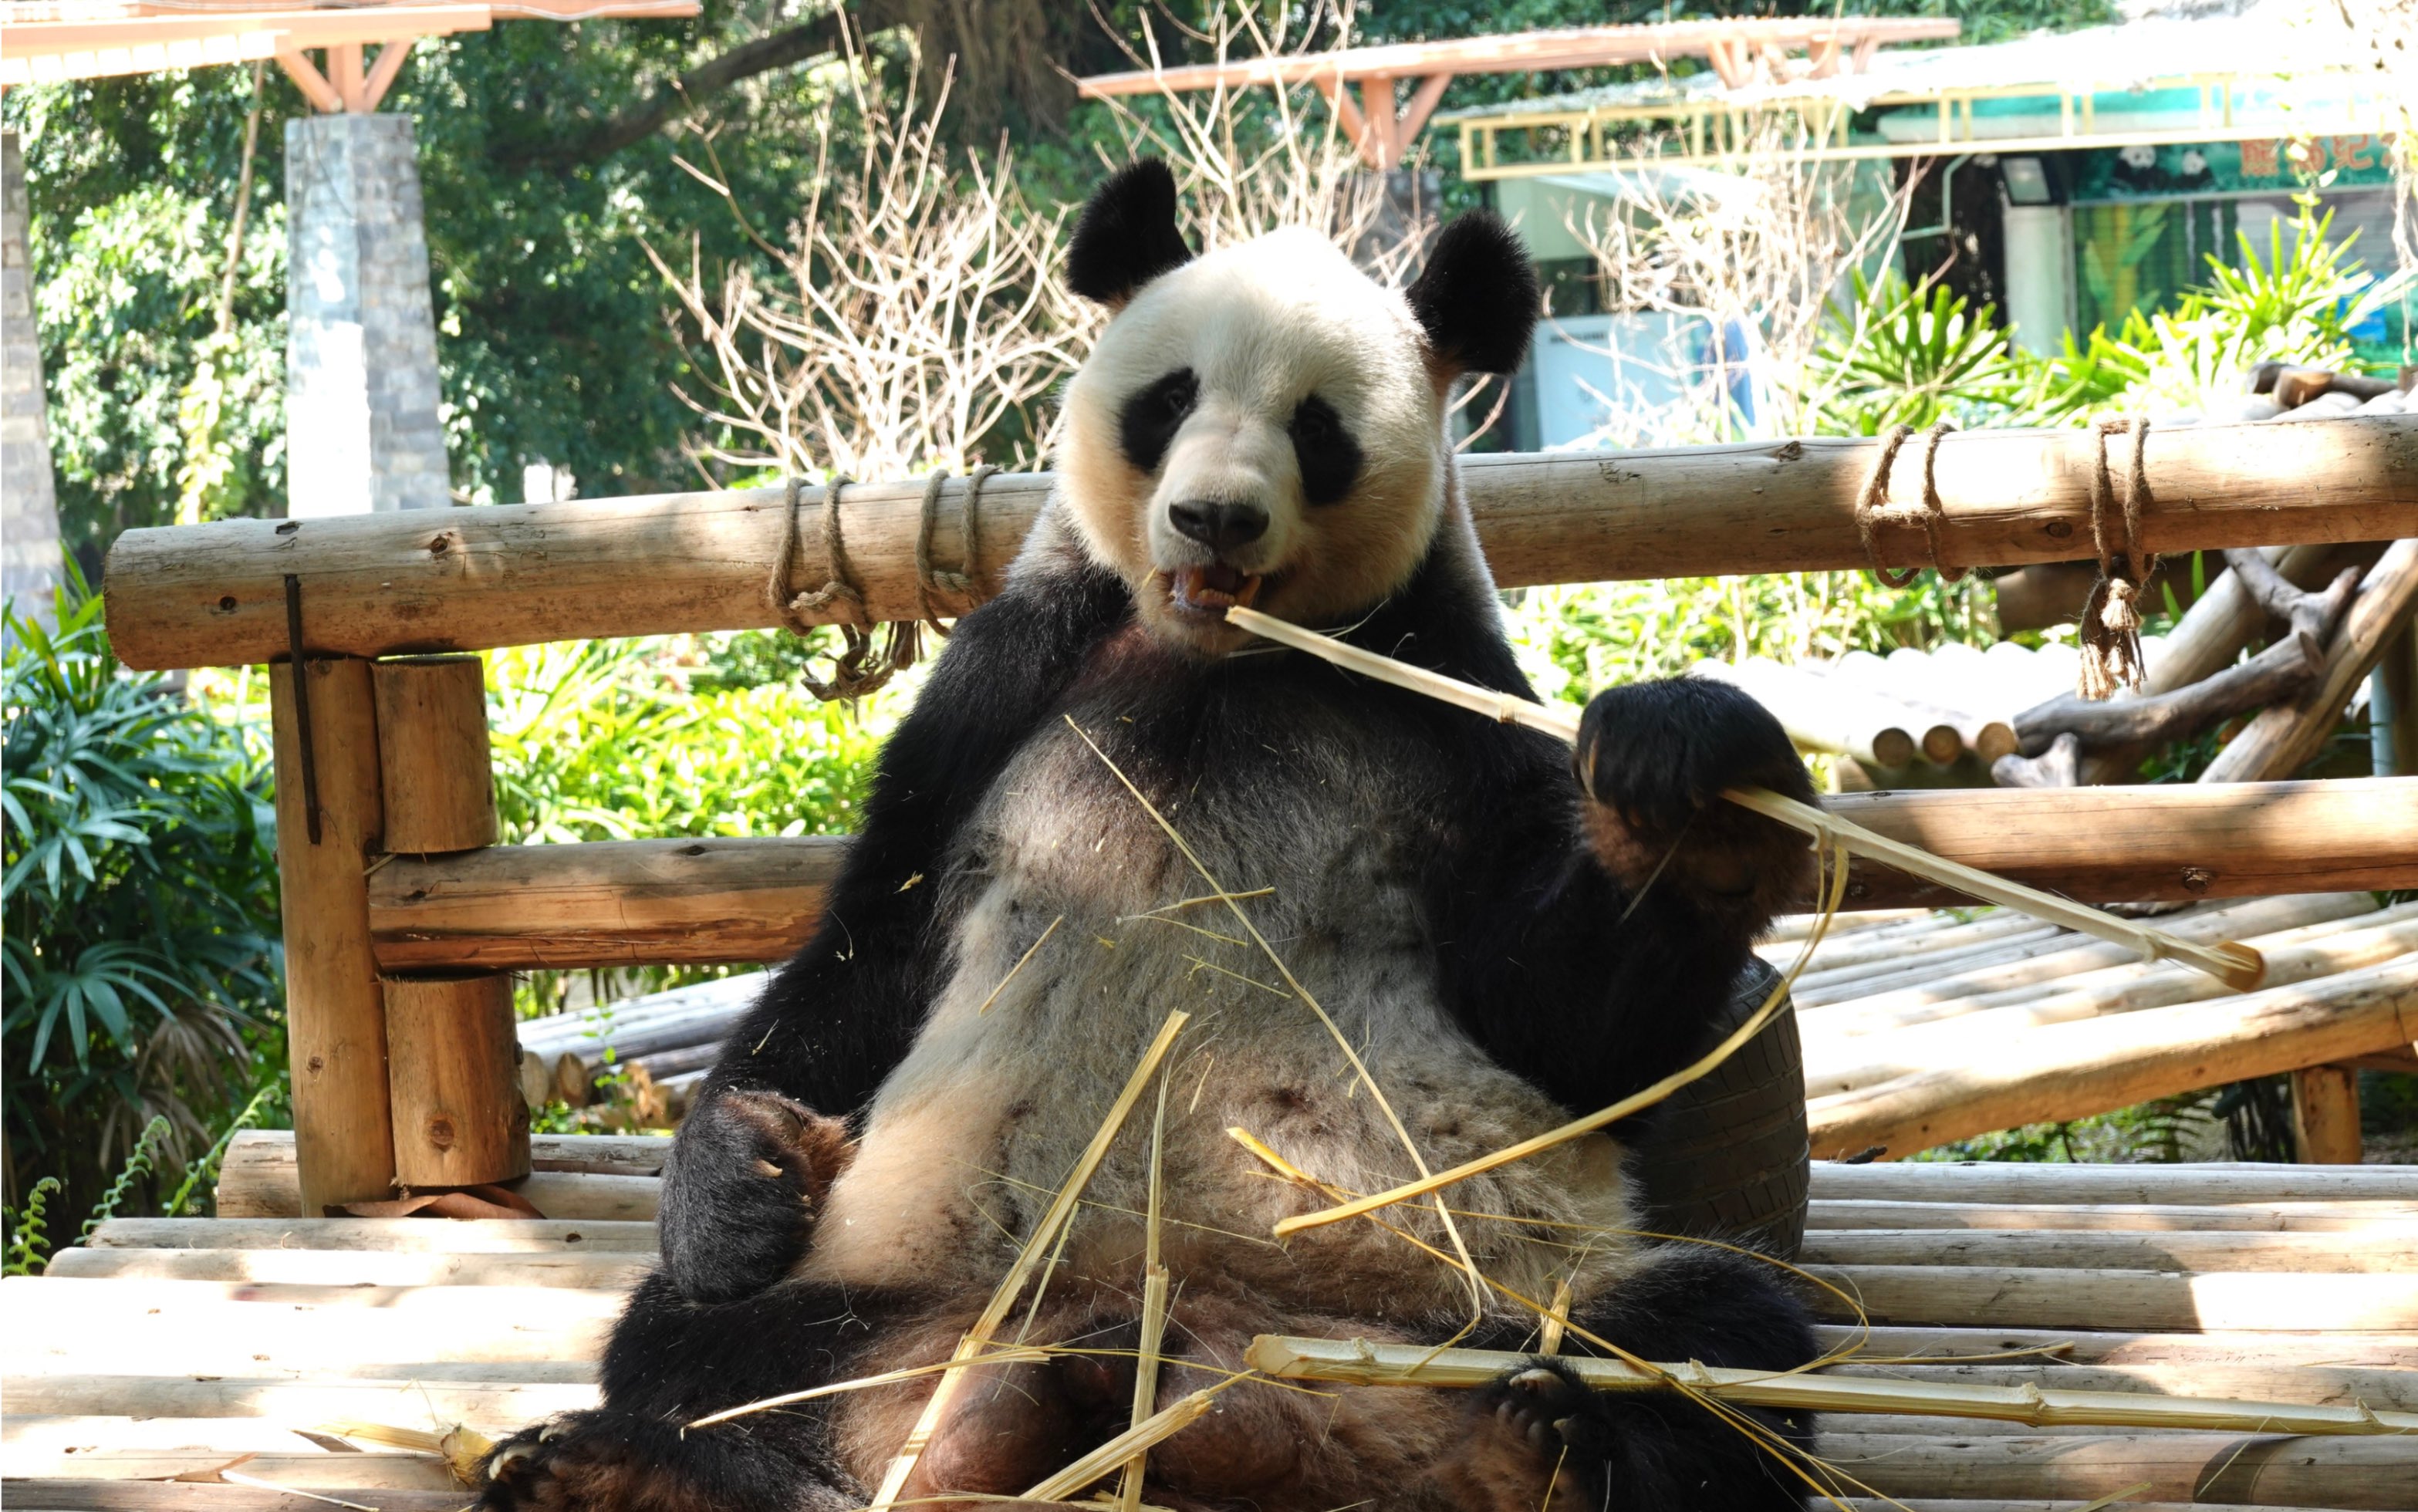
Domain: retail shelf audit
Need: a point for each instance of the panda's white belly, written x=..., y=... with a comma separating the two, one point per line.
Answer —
x=1082, y=931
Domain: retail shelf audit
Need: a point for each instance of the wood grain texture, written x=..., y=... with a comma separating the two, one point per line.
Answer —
x=642, y=902
x=438, y=781
x=2155, y=1219
x=2325, y=1115
x=2210, y=1184
x=454, y=1081
x=2380, y=1250
x=2191, y=1468
x=2071, y=1070
x=605, y=903
x=2284, y=738
x=335, y=1011
x=514, y=574
x=2137, y=844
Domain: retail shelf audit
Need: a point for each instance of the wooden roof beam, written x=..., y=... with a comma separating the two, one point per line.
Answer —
x=1523, y=52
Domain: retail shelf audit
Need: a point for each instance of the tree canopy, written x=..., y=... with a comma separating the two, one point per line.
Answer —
x=552, y=157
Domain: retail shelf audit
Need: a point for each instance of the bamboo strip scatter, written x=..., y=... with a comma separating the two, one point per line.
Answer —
x=251, y=1355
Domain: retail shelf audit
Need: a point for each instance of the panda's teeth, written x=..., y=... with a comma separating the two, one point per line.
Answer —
x=1215, y=587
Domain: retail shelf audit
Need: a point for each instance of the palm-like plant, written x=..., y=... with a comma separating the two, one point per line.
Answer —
x=138, y=886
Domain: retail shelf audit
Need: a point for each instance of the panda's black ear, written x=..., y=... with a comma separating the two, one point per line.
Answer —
x=1477, y=298
x=1126, y=235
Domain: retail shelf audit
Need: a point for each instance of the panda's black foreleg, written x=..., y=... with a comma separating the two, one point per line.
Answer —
x=670, y=1362
x=1654, y=757
x=1657, y=1451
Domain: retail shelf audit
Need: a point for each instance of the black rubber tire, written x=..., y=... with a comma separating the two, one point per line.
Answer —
x=1729, y=1157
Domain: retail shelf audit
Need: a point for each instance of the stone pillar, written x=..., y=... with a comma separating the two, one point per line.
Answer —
x=361, y=429
x=29, y=508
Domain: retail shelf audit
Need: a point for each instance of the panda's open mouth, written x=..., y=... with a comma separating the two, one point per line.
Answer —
x=1210, y=591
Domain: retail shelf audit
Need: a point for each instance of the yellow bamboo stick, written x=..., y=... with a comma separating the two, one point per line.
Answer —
x=1360, y=1362
x=1157, y=1429
x=2237, y=965
x=1635, y=1102
x=1045, y=1235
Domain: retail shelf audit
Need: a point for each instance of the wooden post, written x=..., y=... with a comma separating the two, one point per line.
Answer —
x=435, y=771
x=459, y=1115
x=2325, y=1115
x=2396, y=680
x=455, y=1074
x=335, y=1014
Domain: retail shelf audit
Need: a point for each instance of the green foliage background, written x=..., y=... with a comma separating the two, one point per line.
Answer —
x=142, y=950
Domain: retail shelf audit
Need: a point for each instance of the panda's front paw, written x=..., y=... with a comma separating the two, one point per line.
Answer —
x=1654, y=758
x=743, y=1190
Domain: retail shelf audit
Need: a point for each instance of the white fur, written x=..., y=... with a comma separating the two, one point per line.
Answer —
x=1263, y=326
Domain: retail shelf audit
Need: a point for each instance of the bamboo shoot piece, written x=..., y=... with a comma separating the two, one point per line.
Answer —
x=1361, y=1363
x=2236, y=965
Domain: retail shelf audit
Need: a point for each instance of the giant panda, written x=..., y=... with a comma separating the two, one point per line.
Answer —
x=1502, y=944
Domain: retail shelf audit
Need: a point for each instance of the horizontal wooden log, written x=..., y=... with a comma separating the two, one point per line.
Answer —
x=606, y=903
x=1876, y=1346
x=632, y=902
x=2253, y=1379
x=1838, y=719
x=1835, y=1063
x=195, y=1496
x=1976, y=1296
x=65, y=1326
x=2304, y=1253
x=2009, y=983
x=491, y=1407
x=2214, y=1183
x=603, y=1271
x=469, y=1236
x=266, y=1189
x=2141, y=844
x=318, y=1470
x=2073, y=1070
x=2383, y=1218
x=2195, y=1468
x=511, y=574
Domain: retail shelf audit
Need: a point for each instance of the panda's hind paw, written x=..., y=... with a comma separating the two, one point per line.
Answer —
x=595, y=1461
x=1537, y=1439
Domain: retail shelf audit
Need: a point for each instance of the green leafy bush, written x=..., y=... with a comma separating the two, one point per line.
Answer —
x=1901, y=356
x=706, y=735
x=139, y=900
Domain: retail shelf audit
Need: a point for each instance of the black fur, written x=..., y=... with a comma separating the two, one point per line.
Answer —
x=1477, y=297
x=839, y=1016
x=1147, y=424
x=1329, y=456
x=1126, y=235
x=1636, y=1449
x=1546, y=966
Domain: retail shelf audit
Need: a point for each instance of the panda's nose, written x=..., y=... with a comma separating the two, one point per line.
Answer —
x=1217, y=524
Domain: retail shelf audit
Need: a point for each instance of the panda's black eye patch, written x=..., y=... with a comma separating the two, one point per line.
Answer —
x=1148, y=424
x=1329, y=458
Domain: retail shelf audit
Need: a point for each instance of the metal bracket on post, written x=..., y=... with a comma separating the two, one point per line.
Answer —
x=302, y=705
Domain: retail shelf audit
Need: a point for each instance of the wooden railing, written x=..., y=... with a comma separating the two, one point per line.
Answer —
x=385, y=822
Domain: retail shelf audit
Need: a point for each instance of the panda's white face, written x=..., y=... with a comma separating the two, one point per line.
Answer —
x=1260, y=427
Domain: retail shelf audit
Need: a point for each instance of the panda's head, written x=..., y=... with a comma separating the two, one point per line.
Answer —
x=1265, y=425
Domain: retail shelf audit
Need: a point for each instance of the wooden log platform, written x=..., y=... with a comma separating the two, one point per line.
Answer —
x=1922, y=1030
x=228, y=1365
